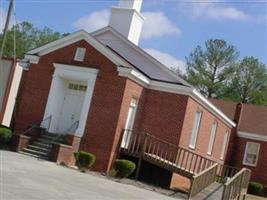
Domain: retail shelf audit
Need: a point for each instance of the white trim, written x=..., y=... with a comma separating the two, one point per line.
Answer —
x=80, y=51
x=195, y=129
x=32, y=58
x=12, y=95
x=224, y=145
x=252, y=136
x=70, y=39
x=69, y=72
x=212, y=107
x=141, y=51
x=132, y=74
x=245, y=154
x=173, y=88
x=129, y=10
x=75, y=68
x=212, y=137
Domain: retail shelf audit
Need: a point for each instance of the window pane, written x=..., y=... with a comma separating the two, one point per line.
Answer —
x=251, y=153
x=224, y=145
x=196, y=124
x=212, y=137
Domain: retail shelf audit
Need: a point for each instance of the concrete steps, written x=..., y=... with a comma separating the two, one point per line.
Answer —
x=42, y=147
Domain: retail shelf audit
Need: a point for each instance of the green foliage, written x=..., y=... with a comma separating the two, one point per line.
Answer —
x=248, y=83
x=27, y=37
x=5, y=135
x=124, y=168
x=208, y=69
x=217, y=73
x=254, y=188
x=84, y=160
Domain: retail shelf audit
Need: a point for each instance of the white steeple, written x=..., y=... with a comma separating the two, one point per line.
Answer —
x=127, y=19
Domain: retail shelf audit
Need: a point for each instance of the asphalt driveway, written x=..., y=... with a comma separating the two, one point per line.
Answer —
x=26, y=178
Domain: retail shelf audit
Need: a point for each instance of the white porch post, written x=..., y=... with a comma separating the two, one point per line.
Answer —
x=86, y=105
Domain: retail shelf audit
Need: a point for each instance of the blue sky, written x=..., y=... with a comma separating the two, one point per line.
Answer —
x=172, y=29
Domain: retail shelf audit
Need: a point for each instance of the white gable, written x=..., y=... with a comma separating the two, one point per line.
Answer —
x=34, y=54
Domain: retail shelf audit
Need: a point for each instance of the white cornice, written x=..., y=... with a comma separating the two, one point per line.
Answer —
x=75, y=68
x=133, y=75
x=32, y=58
x=127, y=10
x=174, y=88
x=252, y=136
x=211, y=107
x=127, y=70
x=70, y=39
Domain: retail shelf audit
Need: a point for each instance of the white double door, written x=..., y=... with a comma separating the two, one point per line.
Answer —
x=71, y=108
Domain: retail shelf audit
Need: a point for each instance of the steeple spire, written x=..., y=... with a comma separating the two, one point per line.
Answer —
x=127, y=19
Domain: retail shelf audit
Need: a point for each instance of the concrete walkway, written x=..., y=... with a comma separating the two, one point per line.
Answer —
x=26, y=178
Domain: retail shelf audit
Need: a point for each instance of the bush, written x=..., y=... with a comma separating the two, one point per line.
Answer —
x=5, y=135
x=84, y=160
x=255, y=188
x=124, y=168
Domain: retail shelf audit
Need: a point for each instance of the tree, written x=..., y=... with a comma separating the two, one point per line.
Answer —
x=248, y=83
x=209, y=69
x=27, y=37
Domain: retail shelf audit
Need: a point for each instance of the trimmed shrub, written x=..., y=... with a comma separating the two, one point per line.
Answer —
x=124, y=168
x=5, y=135
x=255, y=188
x=84, y=160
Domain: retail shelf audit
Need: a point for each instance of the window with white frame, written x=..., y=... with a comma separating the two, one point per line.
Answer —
x=224, y=145
x=79, y=54
x=251, y=154
x=195, y=129
x=212, y=137
x=129, y=124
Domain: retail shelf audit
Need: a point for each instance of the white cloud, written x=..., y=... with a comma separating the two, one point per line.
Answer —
x=93, y=21
x=99, y=19
x=211, y=10
x=167, y=59
x=157, y=24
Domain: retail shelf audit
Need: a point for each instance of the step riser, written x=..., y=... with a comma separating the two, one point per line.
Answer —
x=42, y=147
x=52, y=138
x=35, y=156
x=36, y=153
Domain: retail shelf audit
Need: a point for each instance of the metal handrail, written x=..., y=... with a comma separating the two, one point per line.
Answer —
x=75, y=124
x=38, y=126
x=65, y=132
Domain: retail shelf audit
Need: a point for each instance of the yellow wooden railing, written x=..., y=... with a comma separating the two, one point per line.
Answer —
x=203, y=180
x=236, y=187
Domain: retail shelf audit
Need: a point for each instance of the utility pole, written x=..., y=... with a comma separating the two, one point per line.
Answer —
x=10, y=8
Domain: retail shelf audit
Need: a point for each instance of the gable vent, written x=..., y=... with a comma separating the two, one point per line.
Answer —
x=80, y=54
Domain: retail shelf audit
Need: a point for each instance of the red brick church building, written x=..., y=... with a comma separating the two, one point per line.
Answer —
x=92, y=87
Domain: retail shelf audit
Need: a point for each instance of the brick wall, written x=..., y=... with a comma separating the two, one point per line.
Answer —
x=259, y=172
x=207, y=120
x=106, y=101
x=163, y=115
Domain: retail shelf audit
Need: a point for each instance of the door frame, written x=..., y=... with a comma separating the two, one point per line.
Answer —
x=70, y=92
x=56, y=94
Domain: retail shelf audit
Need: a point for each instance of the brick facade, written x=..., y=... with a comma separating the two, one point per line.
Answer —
x=168, y=116
x=258, y=173
x=206, y=122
